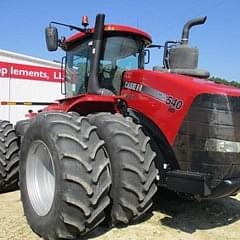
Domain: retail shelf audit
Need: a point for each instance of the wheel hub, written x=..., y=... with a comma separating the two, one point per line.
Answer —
x=40, y=177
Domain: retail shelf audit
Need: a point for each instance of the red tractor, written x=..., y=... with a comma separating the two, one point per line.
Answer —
x=122, y=132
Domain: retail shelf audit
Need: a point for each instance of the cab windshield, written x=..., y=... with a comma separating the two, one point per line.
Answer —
x=121, y=53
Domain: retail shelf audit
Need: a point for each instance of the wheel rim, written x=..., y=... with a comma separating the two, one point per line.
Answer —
x=40, y=177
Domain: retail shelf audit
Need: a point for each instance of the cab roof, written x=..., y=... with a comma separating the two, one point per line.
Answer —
x=112, y=28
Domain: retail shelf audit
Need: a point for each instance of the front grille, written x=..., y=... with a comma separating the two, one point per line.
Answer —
x=215, y=117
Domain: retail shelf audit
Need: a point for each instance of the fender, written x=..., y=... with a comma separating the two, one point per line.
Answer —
x=159, y=143
x=86, y=104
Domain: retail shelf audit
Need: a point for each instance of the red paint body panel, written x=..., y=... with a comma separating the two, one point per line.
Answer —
x=85, y=104
x=180, y=87
x=31, y=115
x=112, y=28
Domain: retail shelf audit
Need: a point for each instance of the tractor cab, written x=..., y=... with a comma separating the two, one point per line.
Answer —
x=121, y=52
x=119, y=49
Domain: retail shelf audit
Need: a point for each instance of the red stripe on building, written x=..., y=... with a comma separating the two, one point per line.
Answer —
x=29, y=72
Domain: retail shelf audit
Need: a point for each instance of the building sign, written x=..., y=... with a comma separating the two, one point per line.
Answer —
x=29, y=72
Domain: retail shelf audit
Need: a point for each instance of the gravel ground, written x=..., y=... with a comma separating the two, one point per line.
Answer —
x=172, y=219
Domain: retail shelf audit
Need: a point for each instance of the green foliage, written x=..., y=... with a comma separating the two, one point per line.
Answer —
x=224, y=81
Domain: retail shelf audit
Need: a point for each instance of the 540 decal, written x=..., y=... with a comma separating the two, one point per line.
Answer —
x=173, y=102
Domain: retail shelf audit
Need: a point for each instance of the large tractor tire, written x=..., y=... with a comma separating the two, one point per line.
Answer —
x=9, y=158
x=132, y=166
x=64, y=176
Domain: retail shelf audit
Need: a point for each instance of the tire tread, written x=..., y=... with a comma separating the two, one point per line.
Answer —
x=9, y=157
x=132, y=164
x=81, y=155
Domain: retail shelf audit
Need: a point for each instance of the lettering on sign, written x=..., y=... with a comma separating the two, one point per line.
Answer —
x=23, y=71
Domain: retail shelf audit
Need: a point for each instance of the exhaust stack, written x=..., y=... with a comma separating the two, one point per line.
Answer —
x=188, y=26
x=93, y=82
x=183, y=59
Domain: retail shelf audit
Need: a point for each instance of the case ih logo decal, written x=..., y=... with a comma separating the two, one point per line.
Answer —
x=133, y=86
x=22, y=71
x=173, y=102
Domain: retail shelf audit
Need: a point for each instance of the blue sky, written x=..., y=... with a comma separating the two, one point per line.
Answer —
x=22, y=26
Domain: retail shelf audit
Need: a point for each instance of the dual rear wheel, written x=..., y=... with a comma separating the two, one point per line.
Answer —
x=77, y=171
x=132, y=166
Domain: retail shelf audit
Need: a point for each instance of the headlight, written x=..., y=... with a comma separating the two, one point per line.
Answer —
x=218, y=145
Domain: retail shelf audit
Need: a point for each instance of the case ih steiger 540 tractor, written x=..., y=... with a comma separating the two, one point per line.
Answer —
x=122, y=131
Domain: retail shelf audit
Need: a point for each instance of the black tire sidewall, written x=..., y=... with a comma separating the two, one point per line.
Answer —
x=40, y=130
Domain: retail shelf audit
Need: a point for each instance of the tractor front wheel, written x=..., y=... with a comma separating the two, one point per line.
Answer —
x=64, y=176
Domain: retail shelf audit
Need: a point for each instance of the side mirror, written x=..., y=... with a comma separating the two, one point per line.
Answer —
x=146, y=56
x=51, y=35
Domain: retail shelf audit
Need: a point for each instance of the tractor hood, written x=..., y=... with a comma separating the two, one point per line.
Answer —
x=183, y=85
x=169, y=97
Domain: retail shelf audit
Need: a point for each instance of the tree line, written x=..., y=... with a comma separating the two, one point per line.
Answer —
x=224, y=81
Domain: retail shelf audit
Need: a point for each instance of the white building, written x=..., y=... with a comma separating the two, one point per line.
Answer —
x=25, y=80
